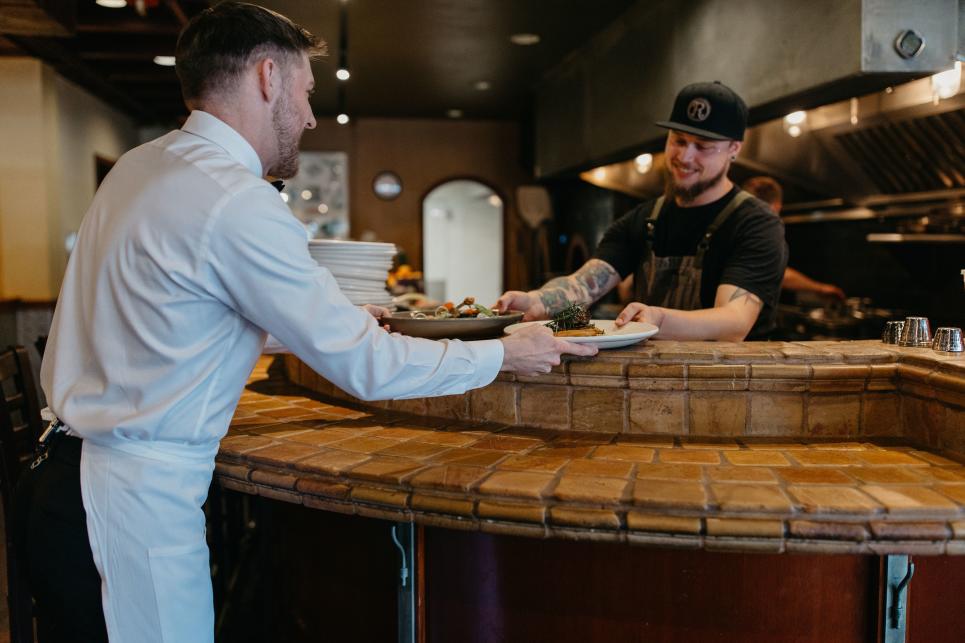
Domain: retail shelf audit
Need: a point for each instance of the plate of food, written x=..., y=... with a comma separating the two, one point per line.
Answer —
x=468, y=320
x=574, y=325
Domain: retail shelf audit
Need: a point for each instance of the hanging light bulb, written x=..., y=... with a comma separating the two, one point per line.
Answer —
x=342, y=73
x=342, y=119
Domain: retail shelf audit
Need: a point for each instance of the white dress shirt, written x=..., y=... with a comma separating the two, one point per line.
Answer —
x=186, y=258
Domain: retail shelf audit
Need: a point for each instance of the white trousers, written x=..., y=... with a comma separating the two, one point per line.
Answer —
x=147, y=533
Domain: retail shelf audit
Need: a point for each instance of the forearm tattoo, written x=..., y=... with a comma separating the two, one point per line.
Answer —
x=593, y=280
x=749, y=297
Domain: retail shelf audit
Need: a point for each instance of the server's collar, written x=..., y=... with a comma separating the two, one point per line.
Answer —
x=220, y=133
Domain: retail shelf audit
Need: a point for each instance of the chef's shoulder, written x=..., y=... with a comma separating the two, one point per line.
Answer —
x=754, y=217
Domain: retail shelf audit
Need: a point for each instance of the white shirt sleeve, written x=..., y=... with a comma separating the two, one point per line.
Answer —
x=261, y=268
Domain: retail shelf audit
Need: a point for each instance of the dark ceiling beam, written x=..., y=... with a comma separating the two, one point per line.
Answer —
x=145, y=55
x=37, y=17
x=129, y=27
x=175, y=7
x=162, y=75
x=69, y=66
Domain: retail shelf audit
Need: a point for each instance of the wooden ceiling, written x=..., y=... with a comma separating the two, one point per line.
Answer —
x=408, y=58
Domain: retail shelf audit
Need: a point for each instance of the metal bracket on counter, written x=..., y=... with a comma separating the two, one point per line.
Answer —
x=404, y=537
x=898, y=573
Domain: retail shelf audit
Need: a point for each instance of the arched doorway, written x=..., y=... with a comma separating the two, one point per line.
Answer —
x=462, y=242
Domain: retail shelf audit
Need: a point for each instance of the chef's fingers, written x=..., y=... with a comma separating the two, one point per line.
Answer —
x=633, y=310
x=583, y=350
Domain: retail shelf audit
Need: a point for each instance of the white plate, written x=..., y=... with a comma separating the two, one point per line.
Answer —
x=361, y=245
x=613, y=337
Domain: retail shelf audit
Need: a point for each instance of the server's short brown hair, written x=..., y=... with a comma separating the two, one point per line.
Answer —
x=218, y=43
x=766, y=189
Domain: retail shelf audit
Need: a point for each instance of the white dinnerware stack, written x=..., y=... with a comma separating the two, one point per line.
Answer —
x=359, y=267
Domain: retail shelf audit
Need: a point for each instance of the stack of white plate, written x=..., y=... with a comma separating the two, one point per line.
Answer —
x=359, y=267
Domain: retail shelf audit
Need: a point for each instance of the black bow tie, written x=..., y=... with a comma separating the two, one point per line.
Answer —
x=279, y=185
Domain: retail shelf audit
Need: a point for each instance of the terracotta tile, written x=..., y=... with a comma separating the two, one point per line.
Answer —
x=780, y=372
x=717, y=413
x=661, y=523
x=570, y=453
x=494, y=510
x=416, y=450
x=909, y=530
x=656, y=371
x=736, y=527
x=450, y=406
x=273, y=479
x=595, y=489
x=757, y=458
x=676, y=495
x=624, y=452
x=887, y=475
x=586, y=518
x=669, y=472
x=661, y=412
x=599, y=410
x=827, y=530
x=883, y=377
x=880, y=414
x=229, y=470
x=835, y=445
x=741, y=474
x=814, y=475
x=958, y=529
x=934, y=458
x=277, y=430
x=470, y=457
x=545, y=406
x=641, y=440
x=386, y=470
x=717, y=377
x=534, y=462
x=507, y=443
x=383, y=497
x=833, y=415
x=516, y=483
x=910, y=500
x=776, y=414
x=825, y=458
x=836, y=499
x=448, y=478
x=954, y=491
x=283, y=454
x=364, y=444
x=495, y=403
x=889, y=457
x=687, y=456
x=739, y=497
x=944, y=474
x=320, y=437
x=448, y=438
x=770, y=445
x=332, y=462
x=401, y=432
x=441, y=505
x=325, y=488
x=598, y=366
x=606, y=468
x=239, y=445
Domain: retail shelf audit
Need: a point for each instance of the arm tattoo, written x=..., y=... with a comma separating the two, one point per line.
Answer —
x=593, y=280
x=749, y=297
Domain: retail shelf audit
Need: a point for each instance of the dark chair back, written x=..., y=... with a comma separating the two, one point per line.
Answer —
x=20, y=427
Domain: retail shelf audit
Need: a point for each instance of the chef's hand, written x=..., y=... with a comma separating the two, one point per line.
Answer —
x=525, y=302
x=534, y=350
x=378, y=312
x=635, y=311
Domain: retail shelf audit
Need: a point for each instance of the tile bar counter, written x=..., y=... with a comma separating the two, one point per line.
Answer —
x=814, y=447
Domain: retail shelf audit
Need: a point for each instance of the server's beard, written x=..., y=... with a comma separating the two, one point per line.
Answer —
x=687, y=194
x=287, y=135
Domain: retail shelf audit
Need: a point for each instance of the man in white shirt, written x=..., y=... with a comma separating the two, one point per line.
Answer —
x=185, y=261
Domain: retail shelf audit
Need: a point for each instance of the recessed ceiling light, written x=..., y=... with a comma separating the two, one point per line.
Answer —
x=482, y=85
x=164, y=61
x=343, y=74
x=112, y=4
x=454, y=113
x=342, y=119
x=524, y=39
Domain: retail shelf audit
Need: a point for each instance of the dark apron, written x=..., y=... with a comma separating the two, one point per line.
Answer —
x=674, y=282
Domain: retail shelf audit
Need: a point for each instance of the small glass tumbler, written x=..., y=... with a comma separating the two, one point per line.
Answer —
x=948, y=339
x=892, y=332
x=915, y=332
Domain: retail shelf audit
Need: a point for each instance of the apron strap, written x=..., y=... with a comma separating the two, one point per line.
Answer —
x=704, y=244
x=651, y=225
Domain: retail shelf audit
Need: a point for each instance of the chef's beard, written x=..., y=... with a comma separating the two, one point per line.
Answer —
x=287, y=135
x=688, y=194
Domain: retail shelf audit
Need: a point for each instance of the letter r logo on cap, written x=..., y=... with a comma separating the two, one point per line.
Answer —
x=698, y=110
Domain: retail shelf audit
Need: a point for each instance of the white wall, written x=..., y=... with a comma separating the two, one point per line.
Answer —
x=51, y=131
x=463, y=242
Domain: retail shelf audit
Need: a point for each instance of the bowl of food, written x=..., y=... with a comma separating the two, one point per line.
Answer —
x=467, y=320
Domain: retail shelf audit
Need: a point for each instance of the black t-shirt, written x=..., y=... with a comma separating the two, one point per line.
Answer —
x=747, y=251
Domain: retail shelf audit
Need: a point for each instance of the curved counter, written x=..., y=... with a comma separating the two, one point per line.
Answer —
x=844, y=447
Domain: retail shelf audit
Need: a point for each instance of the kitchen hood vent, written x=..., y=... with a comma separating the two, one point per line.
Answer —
x=913, y=155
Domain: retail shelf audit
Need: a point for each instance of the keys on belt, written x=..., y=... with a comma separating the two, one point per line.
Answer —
x=53, y=430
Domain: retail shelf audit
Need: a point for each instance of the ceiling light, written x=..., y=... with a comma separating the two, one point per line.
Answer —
x=482, y=85
x=643, y=163
x=495, y=201
x=322, y=208
x=796, y=118
x=794, y=130
x=946, y=84
x=343, y=74
x=342, y=119
x=112, y=4
x=599, y=173
x=524, y=39
x=454, y=113
x=164, y=61
x=306, y=194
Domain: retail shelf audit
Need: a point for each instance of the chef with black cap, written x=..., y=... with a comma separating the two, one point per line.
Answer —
x=707, y=257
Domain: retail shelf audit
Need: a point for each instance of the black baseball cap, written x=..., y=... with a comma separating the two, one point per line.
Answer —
x=712, y=110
